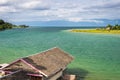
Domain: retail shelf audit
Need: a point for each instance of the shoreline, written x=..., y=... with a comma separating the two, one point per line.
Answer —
x=101, y=31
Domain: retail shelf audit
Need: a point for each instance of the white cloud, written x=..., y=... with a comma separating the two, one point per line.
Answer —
x=7, y=9
x=75, y=19
x=3, y=1
x=68, y=10
x=36, y=4
x=30, y=4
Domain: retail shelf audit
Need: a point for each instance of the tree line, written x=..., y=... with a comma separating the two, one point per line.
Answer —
x=113, y=27
x=6, y=25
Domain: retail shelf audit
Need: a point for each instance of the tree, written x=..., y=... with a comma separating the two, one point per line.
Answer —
x=23, y=26
x=2, y=27
x=109, y=26
x=117, y=26
x=6, y=25
x=1, y=22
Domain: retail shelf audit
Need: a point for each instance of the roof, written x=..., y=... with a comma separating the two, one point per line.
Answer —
x=3, y=65
x=47, y=62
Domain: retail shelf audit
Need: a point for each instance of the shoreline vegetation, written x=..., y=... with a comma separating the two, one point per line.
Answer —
x=109, y=29
x=6, y=25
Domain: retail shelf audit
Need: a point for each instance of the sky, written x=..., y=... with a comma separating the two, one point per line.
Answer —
x=61, y=12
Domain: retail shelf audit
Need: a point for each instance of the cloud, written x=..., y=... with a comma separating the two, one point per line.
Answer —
x=108, y=10
x=34, y=5
x=3, y=1
x=108, y=5
x=54, y=10
x=84, y=20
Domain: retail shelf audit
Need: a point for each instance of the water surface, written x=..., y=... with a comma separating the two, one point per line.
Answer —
x=96, y=56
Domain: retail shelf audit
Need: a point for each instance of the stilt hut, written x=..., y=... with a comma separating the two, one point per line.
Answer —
x=48, y=65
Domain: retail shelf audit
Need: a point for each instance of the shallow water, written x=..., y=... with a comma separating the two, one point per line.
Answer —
x=96, y=56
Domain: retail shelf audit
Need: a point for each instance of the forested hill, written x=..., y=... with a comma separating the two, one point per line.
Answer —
x=6, y=25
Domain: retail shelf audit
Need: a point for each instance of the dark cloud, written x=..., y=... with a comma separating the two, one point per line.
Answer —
x=5, y=4
x=116, y=5
x=39, y=8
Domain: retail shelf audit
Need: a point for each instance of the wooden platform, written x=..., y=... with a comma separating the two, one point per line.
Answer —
x=69, y=77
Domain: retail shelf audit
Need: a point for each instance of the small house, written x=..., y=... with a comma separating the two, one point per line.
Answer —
x=47, y=65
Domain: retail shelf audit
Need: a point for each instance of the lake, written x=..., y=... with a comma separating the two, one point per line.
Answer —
x=96, y=56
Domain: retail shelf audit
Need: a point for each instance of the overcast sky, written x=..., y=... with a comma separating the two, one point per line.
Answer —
x=61, y=12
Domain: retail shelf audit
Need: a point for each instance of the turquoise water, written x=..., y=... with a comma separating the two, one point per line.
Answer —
x=96, y=56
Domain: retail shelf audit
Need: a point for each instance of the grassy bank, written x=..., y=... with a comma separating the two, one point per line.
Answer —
x=96, y=31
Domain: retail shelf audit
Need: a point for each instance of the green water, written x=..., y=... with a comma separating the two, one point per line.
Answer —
x=96, y=56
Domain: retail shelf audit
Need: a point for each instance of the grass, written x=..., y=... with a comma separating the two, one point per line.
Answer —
x=96, y=31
